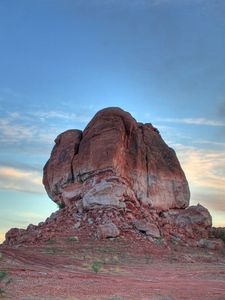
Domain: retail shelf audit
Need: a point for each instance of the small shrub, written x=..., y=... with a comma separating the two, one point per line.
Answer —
x=148, y=259
x=73, y=239
x=218, y=232
x=51, y=241
x=222, y=236
x=96, y=266
x=159, y=241
x=3, y=274
x=222, y=251
x=2, y=292
x=8, y=281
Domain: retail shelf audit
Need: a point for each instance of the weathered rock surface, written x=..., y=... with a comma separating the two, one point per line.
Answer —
x=113, y=160
x=147, y=228
x=192, y=223
x=108, y=230
x=117, y=177
x=212, y=244
x=66, y=148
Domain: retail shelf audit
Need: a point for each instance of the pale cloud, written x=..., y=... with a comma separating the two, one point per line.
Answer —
x=18, y=219
x=213, y=201
x=204, y=168
x=2, y=237
x=211, y=143
x=83, y=118
x=193, y=121
x=205, y=172
x=11, y=132
x=218, y=218
x=37, y=127
x=11, y=172
x=20, y=180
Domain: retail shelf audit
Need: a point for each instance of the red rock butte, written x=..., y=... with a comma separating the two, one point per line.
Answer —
x=115, y=160
x=117, y=176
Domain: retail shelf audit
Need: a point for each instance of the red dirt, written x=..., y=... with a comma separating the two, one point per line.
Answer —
x=128, y=268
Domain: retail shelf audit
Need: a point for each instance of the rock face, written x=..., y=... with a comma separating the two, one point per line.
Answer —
x=67, y=146
x=113, y=161
x=117, y=177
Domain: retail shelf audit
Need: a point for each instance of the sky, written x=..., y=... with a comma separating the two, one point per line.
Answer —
x=63, y=60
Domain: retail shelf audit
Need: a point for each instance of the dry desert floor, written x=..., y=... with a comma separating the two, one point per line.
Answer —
x=123, y=268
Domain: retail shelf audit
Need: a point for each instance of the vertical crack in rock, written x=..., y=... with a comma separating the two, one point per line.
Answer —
x=127, y=132
x=76, y=151
x=146, y=160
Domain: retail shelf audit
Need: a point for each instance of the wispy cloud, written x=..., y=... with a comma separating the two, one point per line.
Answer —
x=205, y=171
x=37, y=127
x=204, y=168
x=215, y=202
x=12, y=132
x=210, y=143
x=16, y=129
x=62, y=115
x=208, y=199
x=20, y=180
x=20, y=219
x=193, y=121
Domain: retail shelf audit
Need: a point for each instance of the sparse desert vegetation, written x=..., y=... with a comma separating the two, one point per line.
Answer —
x=112, y=269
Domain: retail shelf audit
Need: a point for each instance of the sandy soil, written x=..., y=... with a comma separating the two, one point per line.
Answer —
x=123, y=268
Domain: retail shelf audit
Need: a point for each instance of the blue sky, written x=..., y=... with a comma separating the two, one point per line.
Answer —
x=62, y=61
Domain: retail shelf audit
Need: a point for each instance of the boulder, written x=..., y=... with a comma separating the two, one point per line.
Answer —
x=147, y=228
x=212, y=244
x=196, y=214
x=108, y=230
x=193, y=222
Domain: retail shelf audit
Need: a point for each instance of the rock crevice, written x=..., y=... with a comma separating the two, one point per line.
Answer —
x=146, y=160
x=76, y=152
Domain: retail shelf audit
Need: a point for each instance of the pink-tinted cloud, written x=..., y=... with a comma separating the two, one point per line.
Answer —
x=20, y=180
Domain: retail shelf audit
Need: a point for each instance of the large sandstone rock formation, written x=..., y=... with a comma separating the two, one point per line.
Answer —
x=114, y=161
x=117, y=177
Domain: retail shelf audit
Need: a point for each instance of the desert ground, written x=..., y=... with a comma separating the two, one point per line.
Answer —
x=114, y=269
